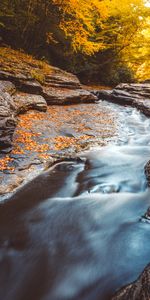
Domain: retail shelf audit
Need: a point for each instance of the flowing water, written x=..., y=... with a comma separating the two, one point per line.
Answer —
x=74, y=232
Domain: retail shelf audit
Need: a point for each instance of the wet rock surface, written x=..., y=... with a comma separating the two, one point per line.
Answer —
x=60, y=131
x=139, y=290
x=136, y=95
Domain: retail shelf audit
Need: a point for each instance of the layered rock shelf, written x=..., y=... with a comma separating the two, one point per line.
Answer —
x=20, y=92
x=136, y=95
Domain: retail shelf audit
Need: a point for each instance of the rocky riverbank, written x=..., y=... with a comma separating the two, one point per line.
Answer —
x=136, y=95
x=59, y=132
x=29, y=103
x=26, y=83
x=37, y=123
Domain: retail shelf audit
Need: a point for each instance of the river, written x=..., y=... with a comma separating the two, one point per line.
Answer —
x=75, y=231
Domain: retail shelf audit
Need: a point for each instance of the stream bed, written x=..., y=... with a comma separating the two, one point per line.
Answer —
x=75, y=231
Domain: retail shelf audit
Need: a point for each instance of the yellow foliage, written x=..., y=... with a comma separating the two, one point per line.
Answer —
x=80, y=22
x=94, y=25
x=85, y=22
x=18, y=61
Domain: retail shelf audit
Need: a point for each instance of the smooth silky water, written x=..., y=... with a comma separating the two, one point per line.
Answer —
x=74, y=232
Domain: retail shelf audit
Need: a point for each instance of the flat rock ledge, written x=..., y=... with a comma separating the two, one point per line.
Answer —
x=138, y=290
x=19, y=92
x=136, y=95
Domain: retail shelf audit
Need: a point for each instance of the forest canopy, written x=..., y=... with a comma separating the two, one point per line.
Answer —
x=108, y=39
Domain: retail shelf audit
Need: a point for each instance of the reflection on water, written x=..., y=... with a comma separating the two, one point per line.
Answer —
x=74, y=233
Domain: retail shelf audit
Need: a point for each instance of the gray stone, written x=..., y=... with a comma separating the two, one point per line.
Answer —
x=24, y=102
x=136, y=95
x=7, y=87
x=29, y=86
x=67, y=96
x=7, y=121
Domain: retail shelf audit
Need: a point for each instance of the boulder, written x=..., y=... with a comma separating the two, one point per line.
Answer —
x=138, y=290
x=103, y=94
x=24, y=102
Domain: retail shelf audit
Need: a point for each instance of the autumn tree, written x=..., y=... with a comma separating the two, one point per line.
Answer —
x=80, y=33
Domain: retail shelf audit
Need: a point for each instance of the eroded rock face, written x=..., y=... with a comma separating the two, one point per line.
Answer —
x=13, y=103
x=58, y=87
x=139, y=290
x=60, y=78
x=61, y=87
x=7, y=120
x=137, y=95
x=24, y=102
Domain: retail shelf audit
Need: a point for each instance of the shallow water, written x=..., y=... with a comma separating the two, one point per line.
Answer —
x=74, y=232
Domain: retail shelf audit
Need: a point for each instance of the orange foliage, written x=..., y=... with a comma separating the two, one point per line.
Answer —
x=38, y=134
x=20, y=62
x=4, y=163
x=62, y=142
